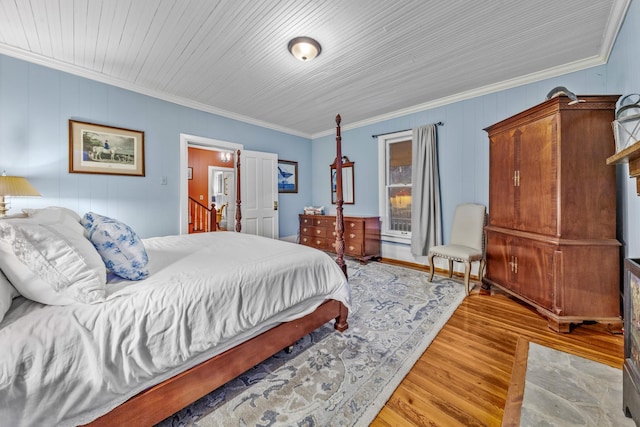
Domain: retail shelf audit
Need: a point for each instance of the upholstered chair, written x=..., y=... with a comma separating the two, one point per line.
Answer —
x=466, y=243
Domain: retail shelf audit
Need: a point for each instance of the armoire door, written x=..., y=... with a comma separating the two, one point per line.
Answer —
x=534, y=270
x=537, y=162
x=499, y=261
x=501, y=180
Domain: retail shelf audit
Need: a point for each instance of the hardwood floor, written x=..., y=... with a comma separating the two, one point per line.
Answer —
x=463, y=377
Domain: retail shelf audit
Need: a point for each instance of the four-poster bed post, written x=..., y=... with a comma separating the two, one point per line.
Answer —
x=238, y=202
x=339, y=201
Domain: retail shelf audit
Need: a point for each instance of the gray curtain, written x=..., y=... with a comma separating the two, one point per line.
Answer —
x=426, y=216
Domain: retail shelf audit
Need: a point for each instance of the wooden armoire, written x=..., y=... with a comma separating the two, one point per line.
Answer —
x=551, y=235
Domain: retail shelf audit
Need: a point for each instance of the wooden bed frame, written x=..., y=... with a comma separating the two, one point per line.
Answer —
x=163, y=400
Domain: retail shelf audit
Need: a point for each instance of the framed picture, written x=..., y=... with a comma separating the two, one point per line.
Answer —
x=189, y=173
x=103, y=149
x=287, y=176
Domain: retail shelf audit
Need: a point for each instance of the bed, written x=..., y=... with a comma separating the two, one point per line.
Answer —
x=206, y=308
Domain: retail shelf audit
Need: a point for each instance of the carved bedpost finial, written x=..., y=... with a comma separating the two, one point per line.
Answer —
x=338, y=119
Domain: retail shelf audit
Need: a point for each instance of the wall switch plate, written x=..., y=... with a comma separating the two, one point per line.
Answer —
x=163, y=180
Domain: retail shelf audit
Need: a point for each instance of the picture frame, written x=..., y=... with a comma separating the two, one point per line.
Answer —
x=101, y=149
x=287, y=176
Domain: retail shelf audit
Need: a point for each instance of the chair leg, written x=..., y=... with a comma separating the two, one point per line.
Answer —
x=467, y=273
x=431, y=268
x=481, y=269
x=450, y=269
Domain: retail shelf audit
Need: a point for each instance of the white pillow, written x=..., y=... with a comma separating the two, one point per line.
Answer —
x=48, y=259
x=7, y=294
x=52, y=215
x=119, y=246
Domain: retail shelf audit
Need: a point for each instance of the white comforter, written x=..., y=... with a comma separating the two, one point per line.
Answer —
x=67, y=365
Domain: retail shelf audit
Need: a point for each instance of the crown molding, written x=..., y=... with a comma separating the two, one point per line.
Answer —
x=485, y=90
x=102, y=78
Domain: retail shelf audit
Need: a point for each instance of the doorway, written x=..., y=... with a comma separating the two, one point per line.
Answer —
x=222, y=192
x=259, y=186
x=187, y=141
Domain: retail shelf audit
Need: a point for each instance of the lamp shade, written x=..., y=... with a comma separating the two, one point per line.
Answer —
x=304, y=48
x=15, y=186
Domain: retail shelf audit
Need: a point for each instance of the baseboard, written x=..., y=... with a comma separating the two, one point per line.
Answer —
x=422, y=267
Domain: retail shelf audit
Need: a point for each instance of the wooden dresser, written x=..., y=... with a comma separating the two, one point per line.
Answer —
x=551, y=236
x=361, y=234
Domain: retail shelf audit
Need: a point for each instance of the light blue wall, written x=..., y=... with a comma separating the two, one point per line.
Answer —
x=463, y=145
x=35, y=105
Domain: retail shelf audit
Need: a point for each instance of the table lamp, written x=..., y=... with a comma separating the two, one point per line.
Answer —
x=14, y=186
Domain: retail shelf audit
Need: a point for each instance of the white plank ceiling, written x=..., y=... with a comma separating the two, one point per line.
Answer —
x=379, y=58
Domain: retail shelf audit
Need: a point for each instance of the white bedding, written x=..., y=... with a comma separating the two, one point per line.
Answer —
x=67, y=365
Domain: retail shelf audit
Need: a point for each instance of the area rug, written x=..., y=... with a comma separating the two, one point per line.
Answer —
x=334, y=379
x=566, y=390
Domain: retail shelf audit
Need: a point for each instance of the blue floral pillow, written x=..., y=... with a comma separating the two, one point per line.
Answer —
x=119, y=246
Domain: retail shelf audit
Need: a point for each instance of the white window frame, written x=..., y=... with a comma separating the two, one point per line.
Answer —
x=384, y=206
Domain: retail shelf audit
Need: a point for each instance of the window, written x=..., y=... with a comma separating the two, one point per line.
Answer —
x=395, y=185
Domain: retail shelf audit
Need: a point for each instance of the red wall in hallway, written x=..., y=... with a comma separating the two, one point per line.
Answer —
x=199, y=161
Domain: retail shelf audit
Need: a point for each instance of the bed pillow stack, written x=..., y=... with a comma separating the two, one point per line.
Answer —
x=47, y=258
x=119, y=246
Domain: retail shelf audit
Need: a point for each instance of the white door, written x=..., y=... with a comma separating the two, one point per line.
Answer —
x=259, y=193
x=222, y=191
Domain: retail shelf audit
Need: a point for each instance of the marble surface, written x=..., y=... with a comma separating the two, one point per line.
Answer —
x=566, y=390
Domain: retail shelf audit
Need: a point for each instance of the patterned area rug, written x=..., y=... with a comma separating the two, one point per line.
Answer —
x=333, y=379
x=566, y=390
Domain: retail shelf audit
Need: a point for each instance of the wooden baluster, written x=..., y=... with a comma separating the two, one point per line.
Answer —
x=213, y=218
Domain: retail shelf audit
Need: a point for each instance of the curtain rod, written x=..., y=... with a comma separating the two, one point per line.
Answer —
x=404, y=130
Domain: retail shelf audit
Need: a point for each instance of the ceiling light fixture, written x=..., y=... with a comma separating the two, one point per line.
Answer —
x=304, y=48
x=225, y=156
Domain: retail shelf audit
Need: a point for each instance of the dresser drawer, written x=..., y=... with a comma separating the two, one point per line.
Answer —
x=313, y=231
x=324, y=222
x=351, y=224
x=306, y=230
x=354, y=236
x=316, y=242
x=354, y=248
x=361, y=235
x=320, y=243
